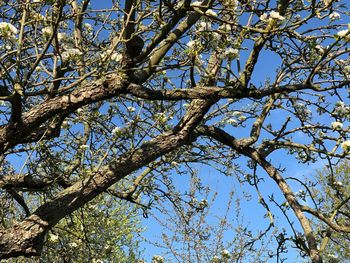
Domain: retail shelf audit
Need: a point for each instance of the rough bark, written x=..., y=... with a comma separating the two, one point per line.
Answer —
x=11, y=135
x=26, y=238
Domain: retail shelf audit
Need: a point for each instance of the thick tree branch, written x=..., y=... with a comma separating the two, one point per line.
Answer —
x=26, y=238
x=230, y=141
x=23, y=182
x=99, y=90
x=175, y=36
x=235, y=91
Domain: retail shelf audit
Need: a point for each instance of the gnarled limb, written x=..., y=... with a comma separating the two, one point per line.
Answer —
x=26, y=238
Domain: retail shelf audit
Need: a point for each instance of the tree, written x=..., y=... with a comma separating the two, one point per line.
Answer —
x=192, y=231
x=103, y=229
x=93, y=92
x=332, y=198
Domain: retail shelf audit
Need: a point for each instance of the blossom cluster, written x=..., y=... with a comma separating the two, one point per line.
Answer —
x=157, y=259
x=204, y=26
x=225, y=256
x=273, y=15
x=8, y=31
x=341, y=110
x=346, y=146
x=117, y=131
x=336, y=125
x=112, y=55
x=344, y=34
x=334, y=16
x=71, y=54
x=231, y=53
x=69, y=50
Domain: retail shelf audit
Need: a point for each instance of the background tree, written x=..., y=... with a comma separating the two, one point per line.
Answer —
x=332, y=199
x=192, y=230
x=103, y=229
x=104, y=98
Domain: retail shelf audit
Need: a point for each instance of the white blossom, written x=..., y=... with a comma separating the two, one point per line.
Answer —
x=230, y=4
x=341, y=110
x=191, y=44
x=175, y=164
x=334, y=16
x=339, y=104
x=346, y=146
x=116, y=56
x=65, y=124
x=36, y=1
x=301, y=108
x=264, y=17
x=327, y=2
x=321, y=134
x=194, y=201
x=157, y=259
x=73, y=245
x=7, y=29
x=131, y=109
x=242, y=118
x=204, y=26
x=53, y=237
x=319, y=48
x=105, y=54
x=273, y=16
x=336, y=125
x=62, y=36
x=226, y=27
x=47, y=30
x=232, y=122
x=276, y=15
x=231, y=53
x=88, y=27
x=84, y=147
x=216, y=36
x=346, y=68
x=210, y=12
x=338, y=183
x=300, y=192
x=203, y=204
x=37, y=16
x=117, y=130
x=71, y=53
x=342, y=33
x=8, y=26
x=225, y=253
